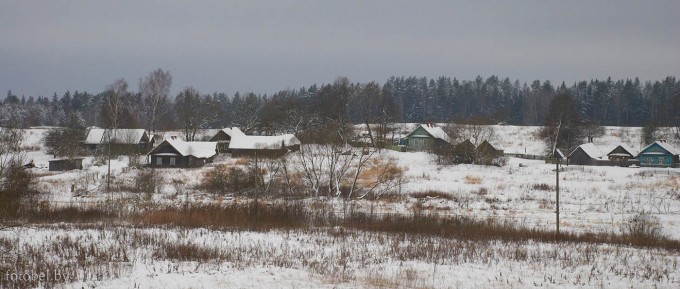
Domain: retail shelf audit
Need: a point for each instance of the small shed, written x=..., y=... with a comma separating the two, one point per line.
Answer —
x=487, y=153
x=181, y=154
x=58, y=165
x=621, y=155
x=558, y=155
x=464, y=152
x=586, y=154
x=427, y=137
x=487, y=150
x=659, y=154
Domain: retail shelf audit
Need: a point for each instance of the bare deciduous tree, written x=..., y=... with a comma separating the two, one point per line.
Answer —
x=115, y=101
x=114, y=106
x=592, y=129
x=155, y=88
x=476, y=130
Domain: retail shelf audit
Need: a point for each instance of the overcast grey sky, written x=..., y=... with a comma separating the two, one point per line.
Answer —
x=265, y=46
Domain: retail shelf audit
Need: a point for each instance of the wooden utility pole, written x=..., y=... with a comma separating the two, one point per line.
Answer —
x=557, y=194
x=557, y=178
x=108, y=174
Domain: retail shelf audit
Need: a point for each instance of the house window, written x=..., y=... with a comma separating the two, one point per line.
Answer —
x=661, y=160
x=649, y=160
x=172, y=162
x=159, y=161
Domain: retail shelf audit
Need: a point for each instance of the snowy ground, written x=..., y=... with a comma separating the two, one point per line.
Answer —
x=592, y=199
x=157, y=258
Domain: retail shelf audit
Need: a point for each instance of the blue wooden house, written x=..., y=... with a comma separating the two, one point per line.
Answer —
x=659, y=154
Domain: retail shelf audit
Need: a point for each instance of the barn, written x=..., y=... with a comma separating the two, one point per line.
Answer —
x=586, y=154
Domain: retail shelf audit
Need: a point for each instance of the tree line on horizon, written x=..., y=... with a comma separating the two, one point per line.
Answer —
x=628, y=102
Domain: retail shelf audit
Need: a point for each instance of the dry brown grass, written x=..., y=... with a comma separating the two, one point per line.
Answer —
x=431, y=194
x=286, y=215
x=241, y=161
x=473, y=180
x=377, y=171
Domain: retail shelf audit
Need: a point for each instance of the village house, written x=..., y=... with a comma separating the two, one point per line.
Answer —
x=622, y=155
x=659, y=154
x=427, y=137
x=263, y=146
x=586, y=154
x=122, y=140
x=181, y=154
x=223, y=138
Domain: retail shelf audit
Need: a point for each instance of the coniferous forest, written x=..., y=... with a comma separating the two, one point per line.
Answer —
x=623, y=102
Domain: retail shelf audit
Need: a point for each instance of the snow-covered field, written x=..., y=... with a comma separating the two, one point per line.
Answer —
x=202, y=258
x=592, y=199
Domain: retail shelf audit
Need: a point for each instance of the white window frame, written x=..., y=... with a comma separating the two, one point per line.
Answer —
x=172, y=161
x=159, y=161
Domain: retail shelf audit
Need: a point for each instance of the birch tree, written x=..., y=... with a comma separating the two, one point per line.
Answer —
x=155, y=88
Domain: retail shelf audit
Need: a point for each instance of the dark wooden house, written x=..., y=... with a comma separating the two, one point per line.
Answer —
x=621, y=155
x=65, y=164
x=586, y=154
x=123, y=141
x=223, y=138
x=659, y=154
x=181, y=154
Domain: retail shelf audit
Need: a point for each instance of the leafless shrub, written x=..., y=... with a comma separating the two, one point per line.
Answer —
x=148, y=182
x=433, y=195
x=225, y=179
x=542, y=187
x=644, y=226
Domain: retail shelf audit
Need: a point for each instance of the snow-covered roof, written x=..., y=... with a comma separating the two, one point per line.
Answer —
x=624, y=147
x=590, y=149
x=235, y=131
x=227, y=131
x=199, y=149
x=118, y=136
x=668, y=147
x=243, y=141
x=558, y=153
x=436, y=132
x=95, y=136
x=232, y=131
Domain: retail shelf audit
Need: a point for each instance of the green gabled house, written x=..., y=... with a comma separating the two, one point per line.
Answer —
x=659, y=154
x=427, y=137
